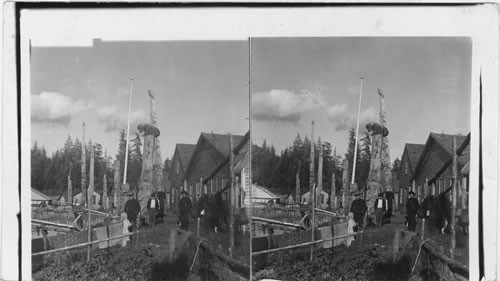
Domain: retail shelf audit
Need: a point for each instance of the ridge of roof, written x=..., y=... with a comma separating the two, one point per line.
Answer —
x=185, y=151
x=221, y=141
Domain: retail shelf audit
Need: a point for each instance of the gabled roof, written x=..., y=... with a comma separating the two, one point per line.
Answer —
x=260, y=192
x=38, y=195
x=446, y=142
x=185, y=152
x=414, y=151
x=221, y=141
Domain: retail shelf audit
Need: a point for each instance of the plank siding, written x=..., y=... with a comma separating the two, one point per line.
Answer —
x=404, y=179
x=433, y=161
x=205, y=160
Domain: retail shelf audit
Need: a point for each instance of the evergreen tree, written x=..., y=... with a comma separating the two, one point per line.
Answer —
x=135, y=163
x=350, y=156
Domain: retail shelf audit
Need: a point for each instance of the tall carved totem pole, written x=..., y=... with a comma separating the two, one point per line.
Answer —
x=379, y=176
x=151, y=174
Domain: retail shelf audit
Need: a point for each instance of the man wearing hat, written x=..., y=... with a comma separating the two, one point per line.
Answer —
x=358, y=208
x=153, y=208
x=411, y=211
x=184, y=210
x=379, y=206
x=132, y=208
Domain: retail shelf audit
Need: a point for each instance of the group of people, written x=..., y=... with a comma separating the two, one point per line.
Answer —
x=383, y=210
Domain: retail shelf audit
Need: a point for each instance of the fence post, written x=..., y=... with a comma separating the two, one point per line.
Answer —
x=313, y=219
x=395, y=245
x=171, y=246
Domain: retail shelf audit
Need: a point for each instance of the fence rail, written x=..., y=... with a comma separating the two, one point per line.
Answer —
x=307, y=243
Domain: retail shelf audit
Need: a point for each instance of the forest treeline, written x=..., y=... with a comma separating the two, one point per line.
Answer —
x=277, y=171
x=49, y=174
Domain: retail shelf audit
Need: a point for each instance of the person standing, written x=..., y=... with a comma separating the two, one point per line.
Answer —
x=351, y=228
x=153, y=208
x=411, y=211
x=132, y=208
x=358, y=208
x=185, y=206
x=379, y=206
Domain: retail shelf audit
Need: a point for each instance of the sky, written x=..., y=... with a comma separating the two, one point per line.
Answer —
x=199, y=86
x=426, y=83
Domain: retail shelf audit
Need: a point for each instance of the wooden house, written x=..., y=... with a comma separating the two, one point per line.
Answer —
x=96, y=200
x=37, y=197
x=409, y=161
x=208, y=169
x=433, y=173
x=262, y=196
x=180, y=161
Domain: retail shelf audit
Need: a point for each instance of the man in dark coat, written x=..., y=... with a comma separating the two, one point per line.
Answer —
x=185, y=206
x=132, y=208
x=411, y=211
x=358, y=208
x=389, y=197
x=379, y=206
x=153, y=208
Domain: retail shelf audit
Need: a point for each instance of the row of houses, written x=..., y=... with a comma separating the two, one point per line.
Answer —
x=421, y=169
x=203, y=168
x=38, y=197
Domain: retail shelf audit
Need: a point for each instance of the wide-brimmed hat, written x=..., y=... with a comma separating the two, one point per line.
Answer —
x=411, y=193
x=184, y=192
x=357, y=193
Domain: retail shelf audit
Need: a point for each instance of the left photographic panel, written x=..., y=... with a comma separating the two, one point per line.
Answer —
x=135, y=148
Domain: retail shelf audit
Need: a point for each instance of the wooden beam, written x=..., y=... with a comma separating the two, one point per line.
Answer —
x=233, y=264
x=270, y=221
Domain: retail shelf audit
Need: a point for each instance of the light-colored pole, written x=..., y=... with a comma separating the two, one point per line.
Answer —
x=357, y=132
x=311, y=164
x=454, y=200
x=231, y=197
x=313, y=221
x=89, y=226
x=128, y=132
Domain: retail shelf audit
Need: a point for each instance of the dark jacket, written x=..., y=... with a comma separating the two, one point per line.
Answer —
x=132, y=207
x=185, y=206
x=412, y=206
x=358, y=206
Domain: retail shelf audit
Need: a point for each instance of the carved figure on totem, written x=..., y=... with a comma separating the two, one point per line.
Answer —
x=148, y=129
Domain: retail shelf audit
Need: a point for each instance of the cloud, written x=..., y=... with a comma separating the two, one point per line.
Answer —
x=344, y=118
x=115, y=120
x=54, y=108
x=285, y=106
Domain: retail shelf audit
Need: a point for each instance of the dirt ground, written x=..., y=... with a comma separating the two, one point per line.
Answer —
x=368, y=258
x=145, y=258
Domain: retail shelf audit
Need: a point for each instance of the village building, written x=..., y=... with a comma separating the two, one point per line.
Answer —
x=437, y=152
x=38, y=197
x=180, y=161
x=95, y=200
x=208, y=169
x=262, y=196
x=322, y=198
x=409, y=160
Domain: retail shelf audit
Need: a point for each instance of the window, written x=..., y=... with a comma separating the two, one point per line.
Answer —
x=177, y=168
x=406, y=168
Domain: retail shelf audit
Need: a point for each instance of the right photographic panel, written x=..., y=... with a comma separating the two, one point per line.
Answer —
x=360, y=157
